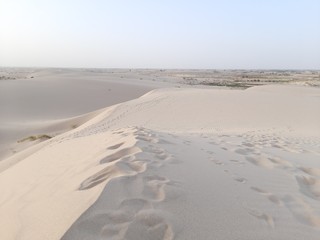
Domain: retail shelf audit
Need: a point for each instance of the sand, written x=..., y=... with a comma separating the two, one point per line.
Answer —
x=174, y=164
x=38, y=105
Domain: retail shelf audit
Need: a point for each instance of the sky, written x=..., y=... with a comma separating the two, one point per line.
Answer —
x=225, y=34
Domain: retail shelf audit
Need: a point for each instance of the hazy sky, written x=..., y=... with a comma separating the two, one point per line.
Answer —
x=161, y=34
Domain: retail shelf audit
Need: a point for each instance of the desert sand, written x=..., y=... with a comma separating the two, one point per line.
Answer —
x=38, y=101
x=175, y=163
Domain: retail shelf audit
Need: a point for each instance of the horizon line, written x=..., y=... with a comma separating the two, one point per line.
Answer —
x=160, y=68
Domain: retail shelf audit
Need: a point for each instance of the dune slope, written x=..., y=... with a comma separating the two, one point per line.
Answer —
x=175, y=164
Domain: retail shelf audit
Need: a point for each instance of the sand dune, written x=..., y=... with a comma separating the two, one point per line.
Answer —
x=45, y=103
x=174, y=164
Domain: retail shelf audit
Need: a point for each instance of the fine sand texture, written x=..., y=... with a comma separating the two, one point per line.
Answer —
x=174, y=164
x=45, y=101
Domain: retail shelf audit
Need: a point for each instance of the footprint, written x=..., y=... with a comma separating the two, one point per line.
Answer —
x=114, y=224
x=120, y=154
x=118, y=169
x=157, y=188
x=118, y=132
x=147, y=139
x=149, y=224
x=111, y=226
x=154, y=187
x=101, y=176
x=163, y=141
x=268, y=162
x=260, y=161
x=250, y=145
x=217, y=162
x=309, y=186
x=311, y=171
x=237, y=161
x=280, y=162
x=187, y=142
x=131, y=167
x=291, y=149
x=302, y=211
x=156, y=178
x=158, y=153
x=113, y=232
x=117, y=217
x=240, y=179
x=262, y=216
x=115, y=146
x=244, y=151
x=273, y=198
x=275, y=145
x=162, y=156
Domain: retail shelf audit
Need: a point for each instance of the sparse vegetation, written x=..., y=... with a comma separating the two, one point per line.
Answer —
x=35, y=137
x=227, y=84
x=7, y=78
x=246, y=78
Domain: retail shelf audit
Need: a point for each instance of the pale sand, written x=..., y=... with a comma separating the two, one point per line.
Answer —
x=174, y=164
x=38, y=105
